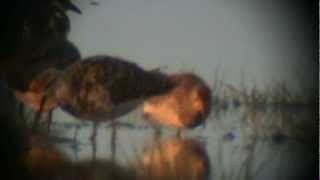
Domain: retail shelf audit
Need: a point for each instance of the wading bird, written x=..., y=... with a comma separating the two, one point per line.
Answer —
x=102, y=88
x=34, y=86
x=185, y=106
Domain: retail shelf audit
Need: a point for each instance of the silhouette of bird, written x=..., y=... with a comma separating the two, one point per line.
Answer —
x=176, y=158
x=185, y=106
x=34, y=86
x=38, y=88
x=102, y=88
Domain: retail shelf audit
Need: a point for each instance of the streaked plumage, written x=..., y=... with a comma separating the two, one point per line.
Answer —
x=34, y=85
x=106, y=87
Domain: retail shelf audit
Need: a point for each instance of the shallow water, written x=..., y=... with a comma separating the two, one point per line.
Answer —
x=236, y=143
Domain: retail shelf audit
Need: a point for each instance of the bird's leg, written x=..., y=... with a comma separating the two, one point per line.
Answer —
x=113, y=140
x=36, y=121
x=94, y=149
x=21, y=111
x=157, y=132
x=93, y=140
x=94, y=131
x=178, y=134
x=75, y=135
x=22, y=115
x=38, y=115
x=49, y=120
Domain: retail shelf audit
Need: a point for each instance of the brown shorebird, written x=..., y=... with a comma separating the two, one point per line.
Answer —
x=102, y=88
x=185, y=106
x=33, y=86
x=39, y=96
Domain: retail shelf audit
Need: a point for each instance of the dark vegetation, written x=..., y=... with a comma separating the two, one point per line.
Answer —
x=28, y=30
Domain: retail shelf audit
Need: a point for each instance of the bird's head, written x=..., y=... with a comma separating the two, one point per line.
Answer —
x=201, y=98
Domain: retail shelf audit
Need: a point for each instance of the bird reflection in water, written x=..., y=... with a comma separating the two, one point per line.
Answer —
x=176, y=159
